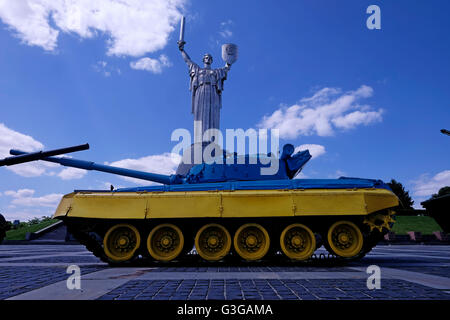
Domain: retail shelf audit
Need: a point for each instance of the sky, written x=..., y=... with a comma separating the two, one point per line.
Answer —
x=367, y=103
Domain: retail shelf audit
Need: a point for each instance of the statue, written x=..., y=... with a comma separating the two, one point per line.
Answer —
x=206, y=85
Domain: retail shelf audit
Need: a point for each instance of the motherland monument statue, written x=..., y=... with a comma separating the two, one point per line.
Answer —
x=206, y=86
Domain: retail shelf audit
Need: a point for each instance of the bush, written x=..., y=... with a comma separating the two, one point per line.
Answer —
x=410, y=212
x=405, y=200
x=31, y=222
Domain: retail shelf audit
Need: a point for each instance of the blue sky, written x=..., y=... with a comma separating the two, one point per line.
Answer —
x=371, y=102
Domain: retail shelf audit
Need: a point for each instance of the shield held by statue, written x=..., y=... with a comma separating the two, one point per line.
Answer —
x=229, y=53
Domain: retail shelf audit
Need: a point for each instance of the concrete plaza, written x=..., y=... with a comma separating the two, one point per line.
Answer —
x=417, y=272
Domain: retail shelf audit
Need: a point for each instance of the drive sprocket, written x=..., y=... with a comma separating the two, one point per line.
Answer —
x=381, y=221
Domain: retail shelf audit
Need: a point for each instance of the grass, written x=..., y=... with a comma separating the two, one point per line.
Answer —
x=423, y=224
x=20, y=233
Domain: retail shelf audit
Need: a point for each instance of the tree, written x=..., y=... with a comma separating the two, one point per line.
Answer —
x=405, y=200
x=442, y=191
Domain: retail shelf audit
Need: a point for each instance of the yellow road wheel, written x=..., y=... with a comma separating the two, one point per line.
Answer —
x=121, y=242
x=213, y=242
x=345, y=239
x=251, y=241
x=165, y=242
x=298, y=242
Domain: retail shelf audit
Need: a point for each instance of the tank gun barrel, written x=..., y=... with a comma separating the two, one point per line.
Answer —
x=89, y=165
x=286, y=167
x=23, y=157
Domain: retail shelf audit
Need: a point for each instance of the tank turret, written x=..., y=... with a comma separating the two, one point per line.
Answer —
x=231, y=168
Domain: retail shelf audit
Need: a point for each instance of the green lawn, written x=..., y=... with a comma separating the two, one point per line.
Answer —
x=425, y=225
x=19, y=234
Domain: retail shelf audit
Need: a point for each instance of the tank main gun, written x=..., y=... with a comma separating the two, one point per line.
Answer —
x=242, y=168
x=90, y=165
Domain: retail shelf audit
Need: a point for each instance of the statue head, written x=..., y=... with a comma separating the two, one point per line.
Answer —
x=207, y=59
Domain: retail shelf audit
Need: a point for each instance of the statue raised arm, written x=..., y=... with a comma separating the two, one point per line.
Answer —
x=185, y=56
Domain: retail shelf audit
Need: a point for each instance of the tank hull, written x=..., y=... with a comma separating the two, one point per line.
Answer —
x=250, y=224
x=225, y=204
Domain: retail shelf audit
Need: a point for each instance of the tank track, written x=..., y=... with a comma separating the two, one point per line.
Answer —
x=89, y=235
x=89, y=240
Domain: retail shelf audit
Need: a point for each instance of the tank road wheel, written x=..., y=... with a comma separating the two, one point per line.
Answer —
x=165, y=242
x=213, y=242
x=121, y=242
x=251, y=241
x=297, y=242
x=345, y=239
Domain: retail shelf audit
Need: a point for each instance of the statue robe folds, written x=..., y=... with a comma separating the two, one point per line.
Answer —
x=206, y=87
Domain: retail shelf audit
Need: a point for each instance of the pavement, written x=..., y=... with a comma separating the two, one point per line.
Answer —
x=407, y=272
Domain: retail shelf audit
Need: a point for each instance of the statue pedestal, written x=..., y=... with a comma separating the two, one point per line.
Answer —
x=194, y=155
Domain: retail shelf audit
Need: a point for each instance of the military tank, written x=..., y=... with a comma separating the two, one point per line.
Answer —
x=224, y=209
x=4, y=226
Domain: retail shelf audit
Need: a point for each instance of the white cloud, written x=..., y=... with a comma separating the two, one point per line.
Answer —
x=50, y=200
x=353, y=119
x=151, y=65
x=104, y=68
x=226, y=33
x=24, y=197
x=29, y=170
x=29, y=19
x=165, y=163
x=72, y=173
x=133, y=27
x=426, y=186
x=225, y=29
x=26, y=214
x=20, y=193
x=315, y=150
x=10, y=139
x=328, y=109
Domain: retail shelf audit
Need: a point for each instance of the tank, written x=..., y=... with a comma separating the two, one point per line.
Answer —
x=4, y=226
x=224, y=209
x=437, y=208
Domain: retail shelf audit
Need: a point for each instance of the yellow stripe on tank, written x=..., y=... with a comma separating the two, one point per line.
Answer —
x=226, y=204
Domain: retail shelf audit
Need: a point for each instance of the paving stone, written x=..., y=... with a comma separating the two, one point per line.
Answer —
x=17, y=280
x=428, y=260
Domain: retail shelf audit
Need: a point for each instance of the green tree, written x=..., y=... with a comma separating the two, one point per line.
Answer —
x=442, y=191
x=405, y=200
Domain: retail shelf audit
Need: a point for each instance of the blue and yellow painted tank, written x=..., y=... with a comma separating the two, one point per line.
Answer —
x=227, y=209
